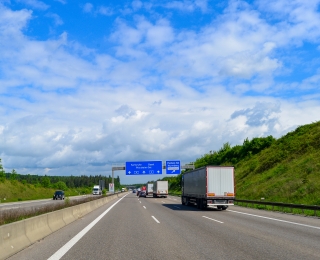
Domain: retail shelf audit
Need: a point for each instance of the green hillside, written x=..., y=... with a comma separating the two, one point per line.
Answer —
x=279, y=170
x=287, y=171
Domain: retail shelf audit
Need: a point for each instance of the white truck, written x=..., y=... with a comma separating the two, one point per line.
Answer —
x=149, y=189
x=96, y=190
x=160, y=189
x=209, y=186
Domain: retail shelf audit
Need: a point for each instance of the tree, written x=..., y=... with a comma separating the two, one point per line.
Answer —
x=2, y=173
x=45, y=181
x=60, y=185
x=13, y=175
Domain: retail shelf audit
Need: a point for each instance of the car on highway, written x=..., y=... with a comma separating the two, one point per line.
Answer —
x=58, y=195
x=143, y=194
x=134, y=191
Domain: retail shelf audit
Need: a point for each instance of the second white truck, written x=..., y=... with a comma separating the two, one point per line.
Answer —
x=160, y=189
x=209, y=186
x=149, y=189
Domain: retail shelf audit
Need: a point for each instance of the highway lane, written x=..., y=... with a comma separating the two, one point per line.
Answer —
x=149, y=228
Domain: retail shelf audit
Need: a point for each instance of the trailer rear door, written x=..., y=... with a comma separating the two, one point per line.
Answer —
x=220, y=181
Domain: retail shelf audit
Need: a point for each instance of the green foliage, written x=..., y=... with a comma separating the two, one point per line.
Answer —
x=45, y=181
x=60, y=185
x=2, y=173
x=283, y=170
x=287, y=171
x=228, y=155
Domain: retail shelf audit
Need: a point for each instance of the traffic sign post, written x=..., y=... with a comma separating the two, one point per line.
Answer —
x=173, y=167
x=144, y=168
x=111, y=187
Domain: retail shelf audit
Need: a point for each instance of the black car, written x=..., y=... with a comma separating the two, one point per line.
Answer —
x=142, y=194
x=58, y=195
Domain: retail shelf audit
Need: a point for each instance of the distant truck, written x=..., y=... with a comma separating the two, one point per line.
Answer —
x=96, y=190
x=160, y=189
x=149, y=190
x=209, y=186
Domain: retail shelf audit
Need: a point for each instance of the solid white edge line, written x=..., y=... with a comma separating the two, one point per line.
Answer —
x=156, y=220
x=285, y=221
x=213, y=219
x=63, y=250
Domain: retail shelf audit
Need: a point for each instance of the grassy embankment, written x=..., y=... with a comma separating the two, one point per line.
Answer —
x=11, y=191
x=288, y=171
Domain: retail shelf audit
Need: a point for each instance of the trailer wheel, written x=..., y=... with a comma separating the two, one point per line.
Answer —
x=182, y=201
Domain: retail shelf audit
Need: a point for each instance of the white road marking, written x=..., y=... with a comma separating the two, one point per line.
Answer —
x=140, y=201
x=156, y=220
x=213, y=219
x=63, y=250
x=144, y=207
x=162, y=201
x=289, y=222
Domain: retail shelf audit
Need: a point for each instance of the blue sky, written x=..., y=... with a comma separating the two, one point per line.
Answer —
x=87, y=85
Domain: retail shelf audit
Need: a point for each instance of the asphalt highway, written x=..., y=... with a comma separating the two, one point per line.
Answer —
x=161, y=228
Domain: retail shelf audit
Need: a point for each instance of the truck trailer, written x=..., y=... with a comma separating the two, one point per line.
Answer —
x=160, y=189
x=149, y=191
x=209, y=186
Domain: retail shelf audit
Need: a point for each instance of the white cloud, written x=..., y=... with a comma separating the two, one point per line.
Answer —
x=57, y=19
x=104, y=10
x=35, y=4
x=188, y=6
x=163, y=94
x=88, y=7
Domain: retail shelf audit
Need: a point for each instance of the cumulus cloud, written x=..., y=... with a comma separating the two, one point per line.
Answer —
x=260, y=114
x=155, y=92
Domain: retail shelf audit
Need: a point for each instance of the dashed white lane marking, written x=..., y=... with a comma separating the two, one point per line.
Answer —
x=144, y=207
x=213, y=219
x=289, y=222
x=63, y=250
x=156, y=220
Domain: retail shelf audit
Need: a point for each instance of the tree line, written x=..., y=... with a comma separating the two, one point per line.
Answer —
x=58, y=182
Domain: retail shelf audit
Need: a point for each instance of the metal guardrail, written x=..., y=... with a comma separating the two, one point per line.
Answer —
x=281, y=205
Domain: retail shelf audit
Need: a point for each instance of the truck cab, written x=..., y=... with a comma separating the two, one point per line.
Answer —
x=96, y=190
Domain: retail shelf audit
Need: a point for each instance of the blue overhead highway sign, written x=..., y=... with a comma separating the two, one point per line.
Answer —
x=173, y=167
x=146, y=167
